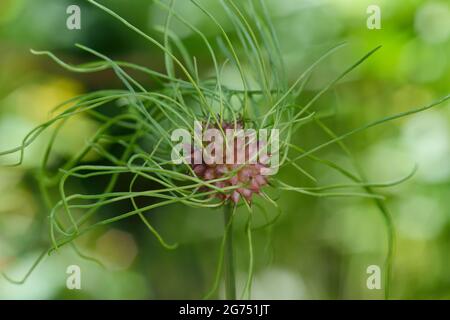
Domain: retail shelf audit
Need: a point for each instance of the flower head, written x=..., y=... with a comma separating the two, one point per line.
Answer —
x=233, y=165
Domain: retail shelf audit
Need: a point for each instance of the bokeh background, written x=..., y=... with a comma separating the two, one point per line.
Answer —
x=319, y=248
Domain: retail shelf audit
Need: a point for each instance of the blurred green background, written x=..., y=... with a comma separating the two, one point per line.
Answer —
x=319, y=248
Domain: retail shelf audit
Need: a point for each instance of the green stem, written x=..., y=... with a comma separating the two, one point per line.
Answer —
x=230, y=279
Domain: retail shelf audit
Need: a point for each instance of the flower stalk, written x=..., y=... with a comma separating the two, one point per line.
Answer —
x=230, y=278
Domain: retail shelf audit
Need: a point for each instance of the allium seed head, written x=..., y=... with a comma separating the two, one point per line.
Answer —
x=246, y=177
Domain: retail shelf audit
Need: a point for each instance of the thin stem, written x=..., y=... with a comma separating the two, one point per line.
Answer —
x=230, y=279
